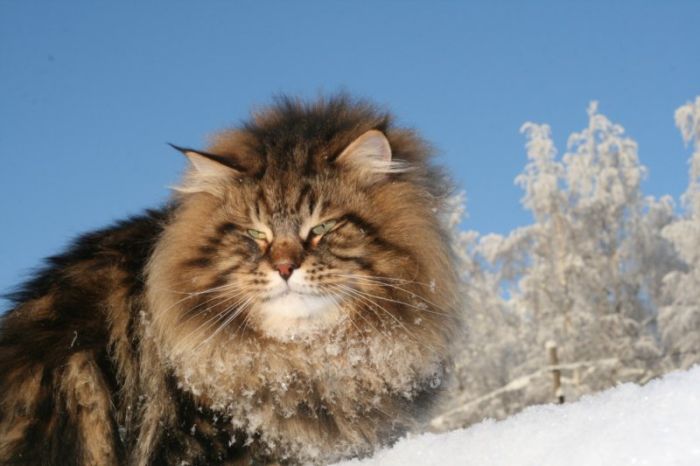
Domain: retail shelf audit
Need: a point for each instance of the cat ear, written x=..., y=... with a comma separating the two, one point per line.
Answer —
x=208, y=171
x=371, y=154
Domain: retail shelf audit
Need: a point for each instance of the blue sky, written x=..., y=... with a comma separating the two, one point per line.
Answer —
x=91, y=91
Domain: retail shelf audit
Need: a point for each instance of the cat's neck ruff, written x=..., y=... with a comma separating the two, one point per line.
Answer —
x=267, y=387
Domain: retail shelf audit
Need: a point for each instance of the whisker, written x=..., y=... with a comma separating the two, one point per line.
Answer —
x=227, y=321
x=353, y=298
x=388, y=279
x=436, y=308
x=244, y=324
x=211, y=321
x=196, y=293
x=236, y=292
x=401, y=324
x=340, y=308
x=190, y=295
x=332, y=298
x=414, y=306
x=368, y=299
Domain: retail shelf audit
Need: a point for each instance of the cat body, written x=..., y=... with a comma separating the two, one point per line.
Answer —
x=293, y=303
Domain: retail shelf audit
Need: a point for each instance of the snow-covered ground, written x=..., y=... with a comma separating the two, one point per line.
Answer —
x=657, y=424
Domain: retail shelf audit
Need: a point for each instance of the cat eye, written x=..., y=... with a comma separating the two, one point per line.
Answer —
x=323, y=228
x=257, y=234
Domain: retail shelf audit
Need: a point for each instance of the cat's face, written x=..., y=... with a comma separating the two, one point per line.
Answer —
x=288, y=234
x=302, y=247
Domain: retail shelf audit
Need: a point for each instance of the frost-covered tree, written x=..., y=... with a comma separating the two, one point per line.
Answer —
x=579, y=275
x=679, y=318
x=590, y=273
x=489, y=339
x=488, y=345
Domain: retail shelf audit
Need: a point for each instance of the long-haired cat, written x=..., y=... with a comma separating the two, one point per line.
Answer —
x=293, y=303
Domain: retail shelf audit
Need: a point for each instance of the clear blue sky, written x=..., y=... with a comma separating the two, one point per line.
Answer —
x=91, y=91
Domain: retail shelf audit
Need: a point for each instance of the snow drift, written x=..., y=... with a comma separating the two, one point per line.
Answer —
x=655, y=424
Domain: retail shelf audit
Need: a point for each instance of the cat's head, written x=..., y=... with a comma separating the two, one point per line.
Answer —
x=309, y=217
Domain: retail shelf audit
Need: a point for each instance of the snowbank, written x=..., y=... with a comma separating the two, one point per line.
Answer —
x=657, y=424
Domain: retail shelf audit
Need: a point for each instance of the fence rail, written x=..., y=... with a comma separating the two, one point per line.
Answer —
x=454, y=417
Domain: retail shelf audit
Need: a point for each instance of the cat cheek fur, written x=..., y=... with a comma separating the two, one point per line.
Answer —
x=151, y=342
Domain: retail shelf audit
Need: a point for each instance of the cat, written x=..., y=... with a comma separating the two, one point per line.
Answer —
x=294, y=302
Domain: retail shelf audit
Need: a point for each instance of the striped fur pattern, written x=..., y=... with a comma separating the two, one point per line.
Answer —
x=292, y=304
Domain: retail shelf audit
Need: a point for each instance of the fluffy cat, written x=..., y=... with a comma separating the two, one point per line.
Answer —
x=293, y=303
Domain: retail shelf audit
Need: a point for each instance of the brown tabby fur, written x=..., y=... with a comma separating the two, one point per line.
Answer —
x=142, y=344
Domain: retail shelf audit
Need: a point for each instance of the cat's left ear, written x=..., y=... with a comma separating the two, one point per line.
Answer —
x=371, y=155
x=208, y=172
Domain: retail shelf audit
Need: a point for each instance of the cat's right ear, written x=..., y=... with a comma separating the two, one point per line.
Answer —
x=208, y=172
x=370, y=155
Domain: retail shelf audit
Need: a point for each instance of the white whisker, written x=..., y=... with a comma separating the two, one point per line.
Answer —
x=211, y=321
x=354, y=298
x=367, y=299
x=436, y=308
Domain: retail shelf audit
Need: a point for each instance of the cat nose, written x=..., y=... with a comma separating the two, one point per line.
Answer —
x=285, y=269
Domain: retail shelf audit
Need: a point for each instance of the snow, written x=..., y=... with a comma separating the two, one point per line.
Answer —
x=655, y=424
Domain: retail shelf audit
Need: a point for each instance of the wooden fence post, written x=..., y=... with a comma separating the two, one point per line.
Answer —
x=556, y=372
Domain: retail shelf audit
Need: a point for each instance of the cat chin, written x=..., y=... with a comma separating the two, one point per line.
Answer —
x=296, y=316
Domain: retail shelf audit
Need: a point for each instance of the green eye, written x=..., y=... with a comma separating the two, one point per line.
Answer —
x=257, y=234
x=323, y=228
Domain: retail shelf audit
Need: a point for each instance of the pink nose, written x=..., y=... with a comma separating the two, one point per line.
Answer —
x=285, y=269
